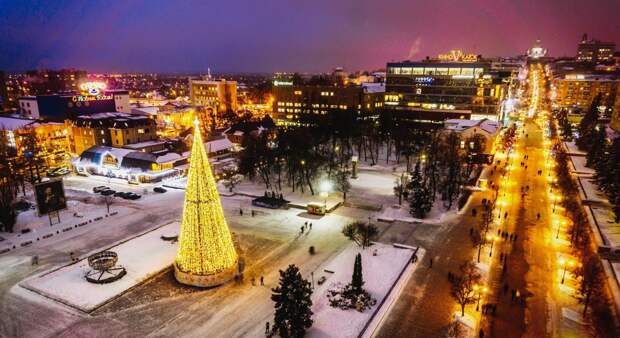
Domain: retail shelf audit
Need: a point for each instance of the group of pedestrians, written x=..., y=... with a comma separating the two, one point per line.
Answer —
x=306, y=226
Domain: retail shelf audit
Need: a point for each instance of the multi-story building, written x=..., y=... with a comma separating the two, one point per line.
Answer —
x=41, y=82
x=453, y=86
x=111, y=129
x=595, y=51
x=52, y=139
x=292, y=102
x=92, y=98
x=219, y=95
x=575, y=91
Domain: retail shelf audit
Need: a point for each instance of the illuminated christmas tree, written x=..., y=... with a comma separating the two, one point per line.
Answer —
x=207, y=255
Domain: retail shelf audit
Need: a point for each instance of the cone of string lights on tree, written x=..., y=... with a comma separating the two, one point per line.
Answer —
x=207, y=255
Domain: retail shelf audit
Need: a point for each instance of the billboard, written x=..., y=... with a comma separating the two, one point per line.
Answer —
x=50, y=196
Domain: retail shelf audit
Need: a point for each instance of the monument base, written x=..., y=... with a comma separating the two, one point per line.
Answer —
x=205, y=281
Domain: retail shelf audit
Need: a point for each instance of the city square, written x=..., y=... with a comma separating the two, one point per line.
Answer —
x=320, y=169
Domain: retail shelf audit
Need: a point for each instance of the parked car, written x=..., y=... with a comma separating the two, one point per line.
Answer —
x=132, y=196
x=108, y=192
x=54, y=172
x=159, y=190
x=100, y=188
x=119, y=194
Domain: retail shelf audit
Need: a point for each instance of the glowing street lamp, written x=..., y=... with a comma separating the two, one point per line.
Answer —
x=564, y=263
x=480, y=291
x=326, y=187
x=492, y=239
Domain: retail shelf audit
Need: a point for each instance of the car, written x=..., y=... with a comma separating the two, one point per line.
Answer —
x=100, y=188
x=119, y=194
x=108, y=192
x=131, y=196
x=159, y=190
x=321, y=280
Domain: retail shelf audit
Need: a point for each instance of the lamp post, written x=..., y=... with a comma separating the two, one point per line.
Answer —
x=480, y=292
x=565, y=264
x=492, y=239
x=557, y=233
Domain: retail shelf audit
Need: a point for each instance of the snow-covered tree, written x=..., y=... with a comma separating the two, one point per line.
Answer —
x=293, y=315
x=419, y=194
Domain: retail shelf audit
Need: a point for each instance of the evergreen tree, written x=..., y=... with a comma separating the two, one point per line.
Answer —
x=597, y=146
x=419, y=195
x=357, y=281
x=608, y=169
x=293, y=315
x=588, y=123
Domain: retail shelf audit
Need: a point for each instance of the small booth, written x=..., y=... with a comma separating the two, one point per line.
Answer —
x=316, y=208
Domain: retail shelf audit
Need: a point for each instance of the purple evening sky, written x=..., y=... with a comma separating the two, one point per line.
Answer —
x=285, y=35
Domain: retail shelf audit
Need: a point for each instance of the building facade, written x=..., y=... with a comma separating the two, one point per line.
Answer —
x=220, y=95
x=59, y=107
x=595, y=51
x=292, y=102
x=434, y=90
x=575, y=92
x=111, y=129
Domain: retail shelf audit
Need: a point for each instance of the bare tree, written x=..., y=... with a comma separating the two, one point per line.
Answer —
x=361, y=233
x=591, y=282
x=463, y=285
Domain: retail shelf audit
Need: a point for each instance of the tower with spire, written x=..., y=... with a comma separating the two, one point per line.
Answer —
x=207, y=256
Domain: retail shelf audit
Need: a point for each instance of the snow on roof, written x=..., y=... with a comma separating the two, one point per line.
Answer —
x=144, y=144
x=9, y=123
x=145, y=110
x=486, y=125
x=169, y=157
x=374, y=87
x=489, y=126
x=218, y=145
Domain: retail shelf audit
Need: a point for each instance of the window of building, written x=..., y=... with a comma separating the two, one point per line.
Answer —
x=429, y=71
x=417, y=70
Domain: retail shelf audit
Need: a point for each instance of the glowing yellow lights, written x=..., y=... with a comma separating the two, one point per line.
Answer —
x=205, y=243
x=92, y=88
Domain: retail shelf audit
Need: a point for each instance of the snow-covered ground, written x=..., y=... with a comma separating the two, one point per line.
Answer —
x=380, y=273
x=573, y=150
x=580, y=165
x=142, y=257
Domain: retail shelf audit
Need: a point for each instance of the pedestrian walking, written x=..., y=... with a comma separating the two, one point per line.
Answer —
x=481, y=334
x=240, y=212
x=501, y=257
x=310, y=226
x=253, y=281
x=430, y=264
x=302, y=229
x=267, y=328
x=471, y=231
x=306, y=223
x=261, y=280
x=506, y=215
x=514, y=239
x=538, y=215
x=505, y=288
x=499, y=232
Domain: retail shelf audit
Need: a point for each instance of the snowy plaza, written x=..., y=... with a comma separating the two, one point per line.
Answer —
x=268, y=241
